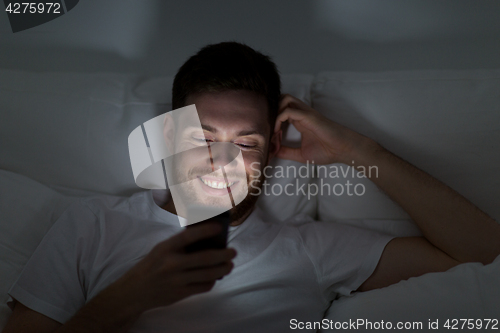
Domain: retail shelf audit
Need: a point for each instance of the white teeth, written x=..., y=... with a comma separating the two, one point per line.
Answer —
x=216, y=184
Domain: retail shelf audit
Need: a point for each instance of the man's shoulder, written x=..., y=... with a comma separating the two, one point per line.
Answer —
x=116, y=221
x=97, y=211
x=108, y=203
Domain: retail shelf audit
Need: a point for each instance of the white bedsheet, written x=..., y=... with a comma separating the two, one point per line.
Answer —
x=467, y=291
x=29, y=208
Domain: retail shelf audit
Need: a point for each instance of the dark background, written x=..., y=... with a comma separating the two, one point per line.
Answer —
x=156, y=36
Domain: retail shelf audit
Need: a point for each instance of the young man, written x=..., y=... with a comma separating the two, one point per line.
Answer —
x=120, y=265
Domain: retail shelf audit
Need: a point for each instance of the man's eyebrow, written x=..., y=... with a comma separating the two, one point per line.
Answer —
x=249, y=132
x=240, y=133
x=209, y=128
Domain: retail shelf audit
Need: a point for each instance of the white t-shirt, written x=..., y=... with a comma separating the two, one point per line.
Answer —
x=283, y=270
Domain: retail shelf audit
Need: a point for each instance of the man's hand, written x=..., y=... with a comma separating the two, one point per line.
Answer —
x=164, y=276
x=168, y=274
x=323, y=140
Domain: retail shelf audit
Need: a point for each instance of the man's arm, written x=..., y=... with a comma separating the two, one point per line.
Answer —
x=406, y=257
x=455, y=230
x=25, y=320
x=447, y=220
x=164, y=276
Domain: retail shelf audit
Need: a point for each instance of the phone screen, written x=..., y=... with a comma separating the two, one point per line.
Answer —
x=218, y=241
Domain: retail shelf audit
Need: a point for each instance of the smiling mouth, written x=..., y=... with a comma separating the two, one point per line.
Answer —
x=217, y=184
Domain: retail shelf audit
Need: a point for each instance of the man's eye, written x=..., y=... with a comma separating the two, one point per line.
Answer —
x=244, y=146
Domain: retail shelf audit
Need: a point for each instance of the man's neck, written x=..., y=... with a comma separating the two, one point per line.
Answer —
x=169, y=206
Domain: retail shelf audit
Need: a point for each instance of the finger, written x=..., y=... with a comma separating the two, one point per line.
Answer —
x=190, y=235
x=207, y=274
x=288, y=100
x=289, y=153
x=284, y=101
x=289, y=114
x=207, y=258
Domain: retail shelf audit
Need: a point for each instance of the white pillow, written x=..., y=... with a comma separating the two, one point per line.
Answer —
x=468, y=291
x=273, y=200
x=445, y=122
x=70, y=130
x=28, y=210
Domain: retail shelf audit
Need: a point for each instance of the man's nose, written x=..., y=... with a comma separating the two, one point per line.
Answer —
x=223, y=153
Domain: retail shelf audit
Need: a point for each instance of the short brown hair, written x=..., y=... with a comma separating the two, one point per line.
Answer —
x=228, y=66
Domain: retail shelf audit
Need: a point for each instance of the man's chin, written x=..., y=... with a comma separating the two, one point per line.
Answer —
x=191, y=193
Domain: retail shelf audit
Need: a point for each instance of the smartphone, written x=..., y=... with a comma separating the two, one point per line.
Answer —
x=218, y=241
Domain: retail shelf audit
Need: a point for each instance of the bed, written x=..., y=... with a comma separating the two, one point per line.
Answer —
x=64, y=136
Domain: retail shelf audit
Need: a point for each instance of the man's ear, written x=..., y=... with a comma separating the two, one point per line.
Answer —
x=274, y=144
x=169, y=132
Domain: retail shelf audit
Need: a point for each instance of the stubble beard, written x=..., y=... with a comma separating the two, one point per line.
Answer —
x=238, y=213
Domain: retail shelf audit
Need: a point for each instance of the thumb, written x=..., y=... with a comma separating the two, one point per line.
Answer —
x=289, y=153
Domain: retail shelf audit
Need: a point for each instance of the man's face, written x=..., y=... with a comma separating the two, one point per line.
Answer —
x=239, y=118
